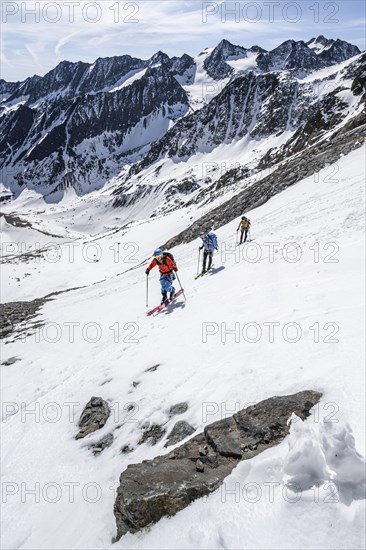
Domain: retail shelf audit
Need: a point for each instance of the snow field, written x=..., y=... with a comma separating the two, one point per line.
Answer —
x=212, y=354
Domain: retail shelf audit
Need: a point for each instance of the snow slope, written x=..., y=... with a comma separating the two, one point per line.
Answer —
x=315, y=306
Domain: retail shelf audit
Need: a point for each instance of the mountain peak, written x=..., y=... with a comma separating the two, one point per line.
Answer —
x=321, y=39
x=319, y=43
x=224, y=43
x=331, y=50
x=227, y=47
x=159, y=57
x=215, y=64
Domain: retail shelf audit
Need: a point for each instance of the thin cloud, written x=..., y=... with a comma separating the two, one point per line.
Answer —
x=174, y=27
x=31, y=49
x=63, y=41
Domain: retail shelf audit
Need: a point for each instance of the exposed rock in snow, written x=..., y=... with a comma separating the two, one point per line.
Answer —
x=153, y=434
x=126, y=449
x=93, y=417
x=167, y=484
x=105, y=442
x=179, y=408
x=10, y=361
x=15, y=314
x=180, y=431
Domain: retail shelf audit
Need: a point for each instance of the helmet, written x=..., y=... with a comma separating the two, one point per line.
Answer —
x=158, y=252
x=243, y=218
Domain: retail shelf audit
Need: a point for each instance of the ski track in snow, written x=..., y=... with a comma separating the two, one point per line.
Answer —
x=230, y=375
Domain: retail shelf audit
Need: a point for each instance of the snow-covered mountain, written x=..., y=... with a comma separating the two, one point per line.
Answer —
x=216, y=63
x=84, y=126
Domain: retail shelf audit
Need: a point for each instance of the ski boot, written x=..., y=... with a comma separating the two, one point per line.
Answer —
x=172, y=294
x=164, y=297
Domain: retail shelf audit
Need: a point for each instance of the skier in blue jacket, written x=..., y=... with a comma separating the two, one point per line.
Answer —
x=209, y=244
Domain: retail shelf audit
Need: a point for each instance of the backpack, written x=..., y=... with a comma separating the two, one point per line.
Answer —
x=213, y=239
x=169, y=255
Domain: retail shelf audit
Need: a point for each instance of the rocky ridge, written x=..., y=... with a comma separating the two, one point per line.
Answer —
x=167, y=484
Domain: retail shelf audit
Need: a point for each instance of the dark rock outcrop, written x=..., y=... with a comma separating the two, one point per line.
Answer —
x=105, y=442
x=167, y=484
x=93, y=417
x=126, y=449
x=21, y=319
x=14, y=315
x=180, y=431
x=152, y=434
x=10, y=361
x=179, y=408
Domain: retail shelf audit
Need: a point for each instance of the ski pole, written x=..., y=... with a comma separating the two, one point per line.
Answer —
x=199, y=256
x=250, y=236
x=236, y=238
x=147, y=291
x=185, y=299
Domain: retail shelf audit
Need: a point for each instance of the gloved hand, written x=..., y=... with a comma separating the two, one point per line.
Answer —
x=175, y=269
x=147, y=271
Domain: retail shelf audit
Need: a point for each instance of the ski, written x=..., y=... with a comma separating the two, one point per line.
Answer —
x=166, y=303
x=203, y=273
x=240, y=244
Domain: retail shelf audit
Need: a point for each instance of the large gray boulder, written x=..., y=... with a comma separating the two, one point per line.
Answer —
x=167, y=484
x=93, y=417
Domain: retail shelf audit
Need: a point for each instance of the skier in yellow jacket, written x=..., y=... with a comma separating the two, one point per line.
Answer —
x=244, y=226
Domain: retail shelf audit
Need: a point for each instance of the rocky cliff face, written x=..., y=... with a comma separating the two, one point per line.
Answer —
x=78, y=139
x=332, y=51
x=300, y=56
x=81, y=124
x=257, y=105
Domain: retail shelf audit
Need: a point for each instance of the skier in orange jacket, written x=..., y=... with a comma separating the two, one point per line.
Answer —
x=167, y=267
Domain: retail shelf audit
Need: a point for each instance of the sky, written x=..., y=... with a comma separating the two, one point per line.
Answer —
x=37, y=35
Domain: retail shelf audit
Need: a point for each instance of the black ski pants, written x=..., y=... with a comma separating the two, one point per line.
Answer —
x=244, y=233
x=207, y=254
